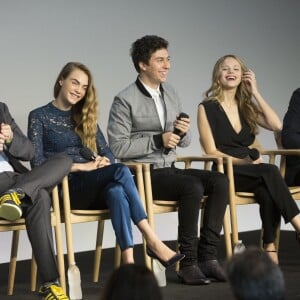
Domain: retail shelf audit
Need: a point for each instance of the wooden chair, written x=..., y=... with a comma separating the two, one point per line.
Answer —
x=16, y=227
x=294, y=190
x=246, y=198
x=82, y=216
x=160, y=206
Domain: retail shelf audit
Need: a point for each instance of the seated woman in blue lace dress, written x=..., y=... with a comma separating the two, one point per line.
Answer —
x=228, y=121
x=69, y=124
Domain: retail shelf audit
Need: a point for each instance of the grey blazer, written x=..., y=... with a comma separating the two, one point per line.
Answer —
x=134, y=129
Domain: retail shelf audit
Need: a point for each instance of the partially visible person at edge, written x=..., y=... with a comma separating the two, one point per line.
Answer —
x=26, y=193
x=252, y=275
x=290, y=138
x=132, y=282
x=228, y=120
x=67, y=125
x=141, y=123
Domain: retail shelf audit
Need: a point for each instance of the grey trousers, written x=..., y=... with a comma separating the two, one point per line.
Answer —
x=37, y=185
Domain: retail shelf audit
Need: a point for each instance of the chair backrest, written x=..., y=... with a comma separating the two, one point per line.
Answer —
x=294, y=190
x=72, y=216
x=158, y=206
x=82, y=216
x=244, y=198
x=16, y=226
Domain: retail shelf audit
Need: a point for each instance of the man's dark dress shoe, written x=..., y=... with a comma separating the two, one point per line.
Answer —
x=192, y=275
x=298, y=236
x=213, y=270
x=173, y=260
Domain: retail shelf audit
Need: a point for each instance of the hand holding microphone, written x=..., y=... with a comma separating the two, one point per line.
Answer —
x=88, y=154
x=6, y=135
x=178, y=131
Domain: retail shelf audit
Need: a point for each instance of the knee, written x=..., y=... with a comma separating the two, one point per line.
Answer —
x=269, y=170
x=64, y=160
x=122, y=171
x=115, y=194
x=193, y=186
x=221, y=181
x=42, y=204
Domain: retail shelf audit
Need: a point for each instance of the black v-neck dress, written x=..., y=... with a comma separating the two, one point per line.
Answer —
x=264, y=179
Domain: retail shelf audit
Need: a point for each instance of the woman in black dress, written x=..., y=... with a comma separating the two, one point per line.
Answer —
x=228, y=121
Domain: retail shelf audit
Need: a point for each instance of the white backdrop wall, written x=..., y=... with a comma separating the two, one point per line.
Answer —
x=39, y=37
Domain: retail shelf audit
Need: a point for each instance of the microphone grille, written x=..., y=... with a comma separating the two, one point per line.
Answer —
x=86, y=153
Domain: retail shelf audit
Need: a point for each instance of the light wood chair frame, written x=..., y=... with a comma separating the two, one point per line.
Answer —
x=16, y=227
x=82, y=216
x=245, y=198
x=160, y=206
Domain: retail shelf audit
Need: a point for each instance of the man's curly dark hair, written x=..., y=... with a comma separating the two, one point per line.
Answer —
x=142, y=49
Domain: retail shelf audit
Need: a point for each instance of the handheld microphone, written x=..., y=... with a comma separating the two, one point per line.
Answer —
x=176, y=131
x=87, y=153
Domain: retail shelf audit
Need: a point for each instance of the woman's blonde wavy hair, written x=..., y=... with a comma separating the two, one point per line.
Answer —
x=84, y=112
x=246, y=106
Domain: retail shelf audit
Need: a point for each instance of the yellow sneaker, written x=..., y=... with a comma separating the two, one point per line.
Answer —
x=53, y=292
x=10, y=202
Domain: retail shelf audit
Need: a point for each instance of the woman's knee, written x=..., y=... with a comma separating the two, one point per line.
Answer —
x=269, y=170
x=221, y=181
x=122, y=170
x=115, y=195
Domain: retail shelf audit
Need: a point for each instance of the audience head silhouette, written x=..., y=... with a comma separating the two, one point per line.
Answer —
x=254, y=276
x=132, y=282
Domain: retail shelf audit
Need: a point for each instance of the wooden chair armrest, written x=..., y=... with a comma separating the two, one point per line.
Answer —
x=187, y=160
x=135, y=166
x=281, y=152
x=212, y=158
x=285, y=151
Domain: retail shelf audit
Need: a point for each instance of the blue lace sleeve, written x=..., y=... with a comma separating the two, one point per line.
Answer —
x=102, y=146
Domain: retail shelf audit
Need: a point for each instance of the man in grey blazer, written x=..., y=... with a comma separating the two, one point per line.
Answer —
x=27, y=193
x=144, y=127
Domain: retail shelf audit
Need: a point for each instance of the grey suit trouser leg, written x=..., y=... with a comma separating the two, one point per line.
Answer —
x=37, y=184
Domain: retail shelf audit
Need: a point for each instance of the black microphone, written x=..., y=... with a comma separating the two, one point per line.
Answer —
x=176, y=131
x=87, y=153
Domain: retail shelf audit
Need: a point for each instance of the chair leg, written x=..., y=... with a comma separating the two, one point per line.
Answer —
x=117, y=256
x=147, y=258
x=33, y=275
x=177, y=251
x=60, y=257
x=13, y=262
x=227, y=239
x=277, y=239
x=58, y=239
x=98, y=251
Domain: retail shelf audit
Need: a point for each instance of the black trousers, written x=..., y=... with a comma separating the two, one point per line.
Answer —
x=187, y=187
x=37, y=185
x=271, y=192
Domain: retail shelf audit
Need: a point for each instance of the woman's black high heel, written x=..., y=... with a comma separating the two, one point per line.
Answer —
x=173, y=260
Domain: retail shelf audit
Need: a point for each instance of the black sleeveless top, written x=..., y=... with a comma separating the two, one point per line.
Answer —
x=225, y=137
